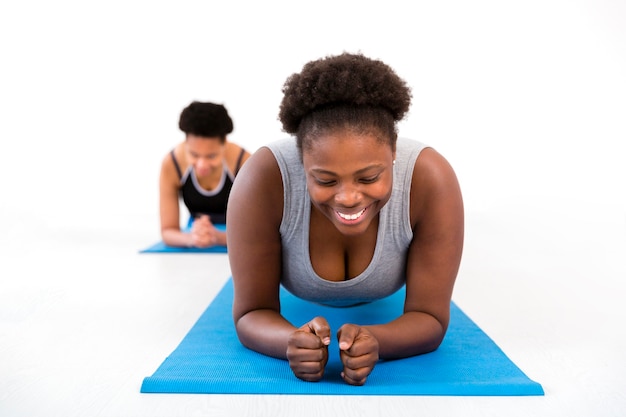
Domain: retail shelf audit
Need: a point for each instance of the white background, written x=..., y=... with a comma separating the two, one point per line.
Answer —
x=526, y=99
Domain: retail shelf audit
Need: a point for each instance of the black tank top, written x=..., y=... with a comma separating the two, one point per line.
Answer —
x=200, y=201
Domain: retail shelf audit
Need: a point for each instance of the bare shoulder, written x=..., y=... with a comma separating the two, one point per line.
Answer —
x=257, y=194
x=260, y=181
x=168, y=168
x=233, y=153
x=432, y=171
x=232, y=148
x=434, y=183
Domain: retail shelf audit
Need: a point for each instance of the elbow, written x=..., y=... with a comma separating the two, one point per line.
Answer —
x=433, y=344
x=439, y=333
x=435, y=334
x=241, y=321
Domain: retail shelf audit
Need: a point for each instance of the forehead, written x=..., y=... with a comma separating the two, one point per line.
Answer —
x=201, y=144
x=346, y=149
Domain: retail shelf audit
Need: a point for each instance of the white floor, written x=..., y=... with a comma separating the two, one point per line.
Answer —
x=84, y=317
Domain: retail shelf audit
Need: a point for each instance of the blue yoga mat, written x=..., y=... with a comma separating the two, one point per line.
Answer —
x=161, y=247
x=211, y=360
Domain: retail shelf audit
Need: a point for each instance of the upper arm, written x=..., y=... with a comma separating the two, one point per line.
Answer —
x=254, y=247
x=437, y=217
x=168, y=195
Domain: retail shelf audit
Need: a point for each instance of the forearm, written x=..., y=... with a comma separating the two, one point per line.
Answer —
x=221, y=238
x=266, y=332
x=176, y=237
x=411, y=334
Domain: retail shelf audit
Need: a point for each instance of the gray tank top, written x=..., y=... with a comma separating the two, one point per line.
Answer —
x=386, y=272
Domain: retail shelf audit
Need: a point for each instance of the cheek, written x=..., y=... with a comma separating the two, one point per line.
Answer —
x=319, y=194
x=383, y=190
x=379, y=192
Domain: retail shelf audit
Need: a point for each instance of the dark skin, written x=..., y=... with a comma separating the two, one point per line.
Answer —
x=349, y=178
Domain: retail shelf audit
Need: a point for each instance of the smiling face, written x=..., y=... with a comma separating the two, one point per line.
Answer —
x=204, y=154
x=349, y=178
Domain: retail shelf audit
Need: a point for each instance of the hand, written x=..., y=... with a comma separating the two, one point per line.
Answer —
x=203, y=233
x=358, y=349
x=307, y=349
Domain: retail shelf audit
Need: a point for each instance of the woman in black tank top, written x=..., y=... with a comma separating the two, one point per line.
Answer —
x=199, y=172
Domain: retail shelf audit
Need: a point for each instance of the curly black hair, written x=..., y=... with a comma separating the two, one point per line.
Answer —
x=346, y=91
x=206, y=120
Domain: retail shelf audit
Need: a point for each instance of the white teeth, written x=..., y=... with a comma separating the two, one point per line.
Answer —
x=351, y=216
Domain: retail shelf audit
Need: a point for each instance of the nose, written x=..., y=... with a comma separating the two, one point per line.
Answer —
x=204, y=164
x=348, y=196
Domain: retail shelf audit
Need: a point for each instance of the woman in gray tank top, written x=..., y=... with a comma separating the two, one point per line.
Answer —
x=344, y=213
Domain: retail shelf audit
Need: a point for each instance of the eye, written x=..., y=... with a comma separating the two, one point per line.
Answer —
x=369, y=180
x=324, y=183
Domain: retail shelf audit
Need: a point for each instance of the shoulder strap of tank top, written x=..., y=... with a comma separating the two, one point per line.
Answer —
x=238, y=165
x=180, y=174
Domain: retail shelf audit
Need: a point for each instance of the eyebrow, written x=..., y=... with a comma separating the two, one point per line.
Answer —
x=203, y=154
x=360, y=171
